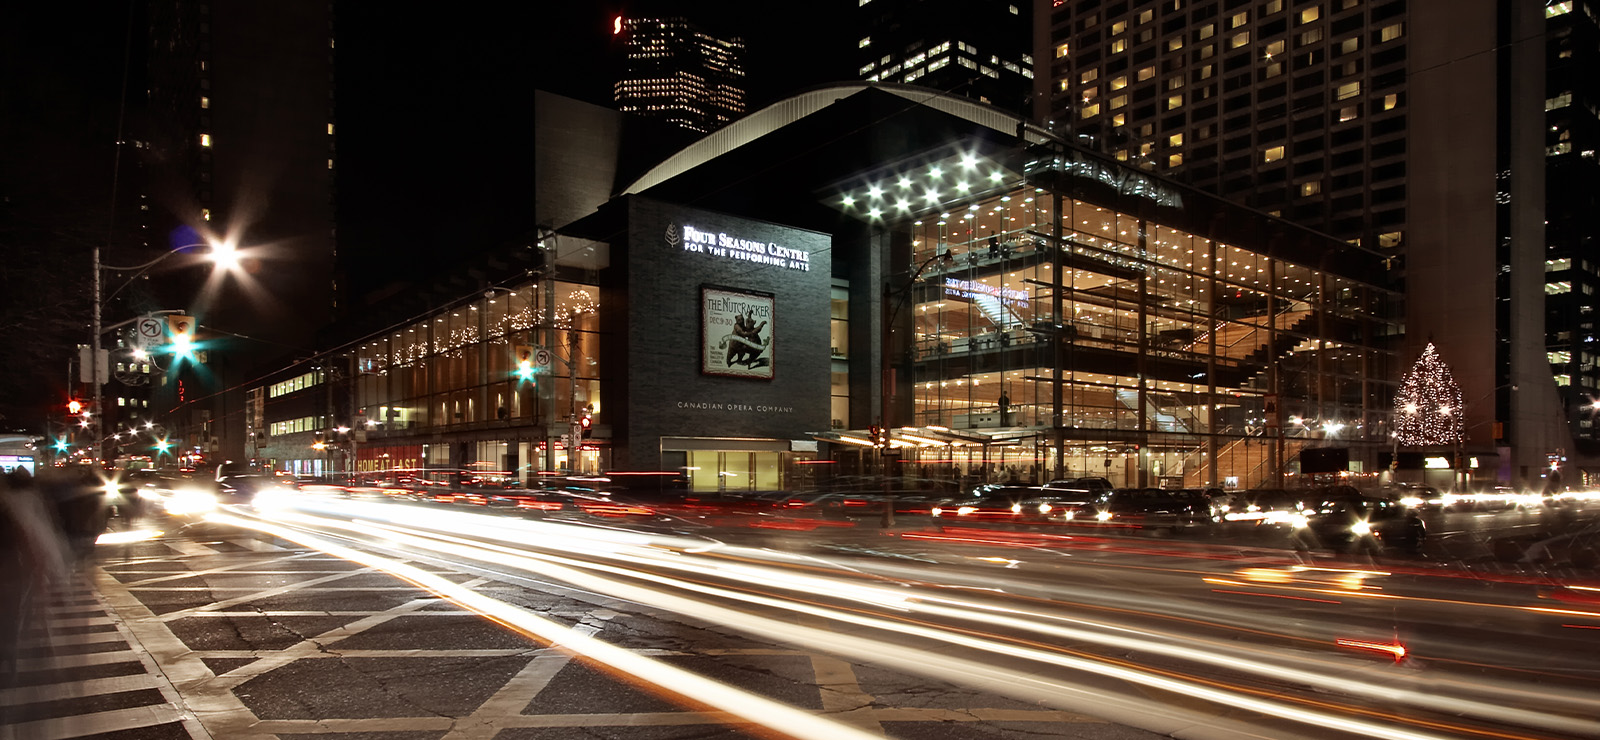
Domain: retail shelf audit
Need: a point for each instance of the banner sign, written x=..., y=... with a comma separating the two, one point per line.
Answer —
x=736, y=333
x=971, y=289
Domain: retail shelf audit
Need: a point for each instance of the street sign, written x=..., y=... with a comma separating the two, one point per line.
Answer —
x=148, y=331
x=542, y=358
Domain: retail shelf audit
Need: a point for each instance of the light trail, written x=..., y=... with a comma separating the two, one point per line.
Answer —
x=898, y=599
x=777, y=717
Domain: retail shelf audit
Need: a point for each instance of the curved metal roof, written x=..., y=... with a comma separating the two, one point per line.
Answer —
x=790, y=110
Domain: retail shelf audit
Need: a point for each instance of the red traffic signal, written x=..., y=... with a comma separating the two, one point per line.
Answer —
x=74, y=406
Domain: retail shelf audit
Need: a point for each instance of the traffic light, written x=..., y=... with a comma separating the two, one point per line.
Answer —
x=319, y=443
x=181, y=330
x=880, y=437
x=525, y=369
x=74, y=407
x=586, y=421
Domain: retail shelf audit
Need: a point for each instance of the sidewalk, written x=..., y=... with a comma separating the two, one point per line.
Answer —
x=80, y=674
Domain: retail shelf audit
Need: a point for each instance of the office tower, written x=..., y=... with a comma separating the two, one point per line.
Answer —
x=674, y=70
x=235, y=140
x=1411, y=128
x=1572, y=269
x=980, y=50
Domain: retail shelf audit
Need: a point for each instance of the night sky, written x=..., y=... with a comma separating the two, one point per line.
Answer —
x=435, y=116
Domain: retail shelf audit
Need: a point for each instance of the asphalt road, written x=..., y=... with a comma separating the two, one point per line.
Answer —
x=374, y=619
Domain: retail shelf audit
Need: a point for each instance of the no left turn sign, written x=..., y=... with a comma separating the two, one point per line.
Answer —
x=149, y=331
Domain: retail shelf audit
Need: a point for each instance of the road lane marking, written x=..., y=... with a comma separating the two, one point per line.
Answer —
x=746, y=706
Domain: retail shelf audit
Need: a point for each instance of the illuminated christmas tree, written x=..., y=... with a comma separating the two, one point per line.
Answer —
x=1428, y=410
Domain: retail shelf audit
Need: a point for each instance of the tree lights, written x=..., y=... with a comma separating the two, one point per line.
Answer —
x=1428, y=410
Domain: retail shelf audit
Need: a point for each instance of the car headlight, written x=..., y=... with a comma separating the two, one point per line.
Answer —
x=1045, y=508
x=1299, y=521
x=1103, y=516
x=1070, y=514
x=1016, y=508
x=964, y=510
x=1412, y=501
x=936, y=511
x=1361, y=528
x=190, y=501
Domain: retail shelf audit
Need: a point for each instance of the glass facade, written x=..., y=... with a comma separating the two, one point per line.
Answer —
x=1170, y=358
x=457, y=370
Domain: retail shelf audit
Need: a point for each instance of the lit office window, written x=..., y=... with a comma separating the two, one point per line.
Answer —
x=1118, y=83
x=1118, y=102
x=1272, y=155
x=1090, y=111
x=1062, y=50
x=1349, y=113
x=1145, y=74
x=1119, y=27
x=1175, y=140
x=1174, y=160
x=1391, y=101
x=1390, y=33
x=205, y=140
x=1311, y=188
x=1239, y=40
x=1175, y=43
x=1089, y=76
x=1119, y=46
x=1310, y=14
x=865, y=42
x=1174, y=101
x=1347, y=91
x=1554, y=9
x=1239, y=19
x=205, y=102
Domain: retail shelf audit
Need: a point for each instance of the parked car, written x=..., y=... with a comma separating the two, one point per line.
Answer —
x=1095, y=486
x=1148, y=509
x=1358, y=523
x=1015, y=505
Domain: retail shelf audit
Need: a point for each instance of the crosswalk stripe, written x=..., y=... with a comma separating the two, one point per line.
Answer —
x=116, y=720
x=75, y=689
x=77, y=661
x=88, y=638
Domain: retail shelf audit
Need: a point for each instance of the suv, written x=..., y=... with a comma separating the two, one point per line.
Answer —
x=1149, y=508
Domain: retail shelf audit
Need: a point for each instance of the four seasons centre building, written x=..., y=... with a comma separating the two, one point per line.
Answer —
x=993, y=302
x=1006, y=305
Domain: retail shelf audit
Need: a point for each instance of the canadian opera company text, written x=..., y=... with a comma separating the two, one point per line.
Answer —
x=728, y=247
x=757, y=408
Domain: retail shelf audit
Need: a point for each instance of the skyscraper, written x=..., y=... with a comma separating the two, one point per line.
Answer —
x=235, y=140
x=980, y=50
x=1572, y=272
x=675, y=71
x=1412, y=128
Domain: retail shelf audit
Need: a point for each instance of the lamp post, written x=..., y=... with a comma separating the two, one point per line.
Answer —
x=222, y=253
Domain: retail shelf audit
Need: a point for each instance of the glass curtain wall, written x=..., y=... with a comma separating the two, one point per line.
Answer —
x=457, y=369
x=1169, y=345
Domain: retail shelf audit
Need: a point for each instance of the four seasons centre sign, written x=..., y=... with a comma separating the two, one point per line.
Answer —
x=727, y=246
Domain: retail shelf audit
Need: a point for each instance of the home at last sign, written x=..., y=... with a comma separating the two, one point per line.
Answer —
x=727, y=246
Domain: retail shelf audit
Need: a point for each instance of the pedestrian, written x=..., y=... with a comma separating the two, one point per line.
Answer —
x=31, y=559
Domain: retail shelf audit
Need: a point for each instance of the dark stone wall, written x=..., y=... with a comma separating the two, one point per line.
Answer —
x=654, y=346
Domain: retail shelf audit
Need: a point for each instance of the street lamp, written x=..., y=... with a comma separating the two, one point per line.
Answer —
x=222, y=253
